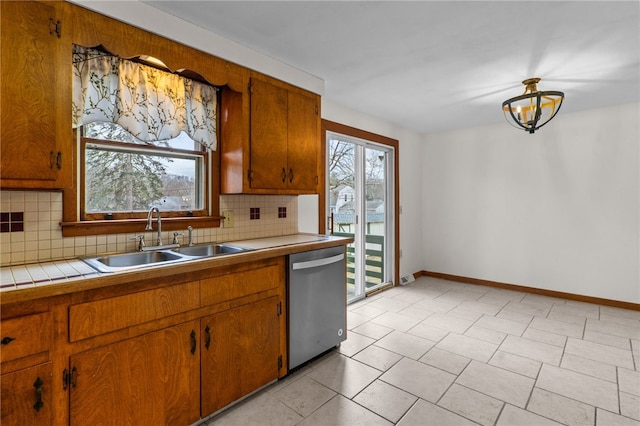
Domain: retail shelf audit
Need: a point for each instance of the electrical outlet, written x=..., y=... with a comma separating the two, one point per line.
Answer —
x=228, y=219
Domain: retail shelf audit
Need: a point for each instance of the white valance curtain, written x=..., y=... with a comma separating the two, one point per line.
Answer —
x=151, y=104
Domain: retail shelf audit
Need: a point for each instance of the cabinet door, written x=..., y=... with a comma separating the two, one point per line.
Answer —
x=26, y=396
x=268, y=136
x=28, y=148
x=242, y=352
x=303, y=143
x=147, y=380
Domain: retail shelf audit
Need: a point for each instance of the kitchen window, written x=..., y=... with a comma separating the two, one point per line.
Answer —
x=147, y=138
x=123, y=177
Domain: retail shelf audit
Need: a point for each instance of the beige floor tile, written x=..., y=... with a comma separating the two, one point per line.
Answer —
x=436, y=305
x=539, y=300
x=589, y=367
x=527, y=309
x=629, y=381
x=354, y=319
x=467, y=347
x=613, y=328
x=448, y=322
x=424, y=413
x=373, y=330
x=304, y=396
x=421, y=380
x=485, y=334
x=258, y=410
x=498, y=383
x=609, y=313
x=607, y=418
x=607, y=339
x=445, y=360
x=514, y=416
x=341, y=411
x=355, y=343
x=396, y=321
x=630, y=405
x=389, y=304
x=598, y=352
x=558, y=327
x=571, y=319
x=503, y=325
x=532, y=349
x=483, y=308
x=378, y=357
x=417, y=312
x=545, y=337
x=517, y=364
x=386, y=400
x=344, y=375
x=561, y=409
x=465, y=314
x=580, y=387
x=515, y=316
x=428, y=332
x=471, y=404
x=405, y=344
x=367, y=311
x=579, y=309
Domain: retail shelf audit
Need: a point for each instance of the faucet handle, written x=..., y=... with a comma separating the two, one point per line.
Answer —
x=139, y=237
x=175, y=237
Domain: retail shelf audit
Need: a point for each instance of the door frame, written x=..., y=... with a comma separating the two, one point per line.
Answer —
x=332, y=126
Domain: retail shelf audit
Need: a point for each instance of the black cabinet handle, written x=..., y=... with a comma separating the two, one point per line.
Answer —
x=290, y=175
x=194, y=342
x=7, y=340
x=207, y=337
x=283, y=175
x=59, y=160
x=38, y=385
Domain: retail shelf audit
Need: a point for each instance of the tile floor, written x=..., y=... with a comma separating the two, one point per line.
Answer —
x=436, y=352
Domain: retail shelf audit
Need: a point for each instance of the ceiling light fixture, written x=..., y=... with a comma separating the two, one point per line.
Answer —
x=532, y=109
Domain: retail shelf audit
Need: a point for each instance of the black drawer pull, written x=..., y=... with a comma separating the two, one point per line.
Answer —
x=194, y=342
x=207, y=337
x=7, y=340
x=38, y=385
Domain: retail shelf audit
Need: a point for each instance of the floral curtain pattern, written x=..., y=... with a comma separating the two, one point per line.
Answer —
x=151, y=104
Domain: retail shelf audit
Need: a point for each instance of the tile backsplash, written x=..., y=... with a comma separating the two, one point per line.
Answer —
x=41, y=240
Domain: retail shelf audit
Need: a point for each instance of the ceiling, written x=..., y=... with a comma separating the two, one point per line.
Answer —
x=434, y=66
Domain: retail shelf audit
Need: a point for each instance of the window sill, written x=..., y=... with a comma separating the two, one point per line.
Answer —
x=103, y=227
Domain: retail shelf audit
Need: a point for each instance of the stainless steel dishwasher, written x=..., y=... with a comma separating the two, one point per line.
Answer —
x=317, y=303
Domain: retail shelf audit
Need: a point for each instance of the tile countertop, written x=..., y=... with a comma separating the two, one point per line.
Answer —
x=24, y=282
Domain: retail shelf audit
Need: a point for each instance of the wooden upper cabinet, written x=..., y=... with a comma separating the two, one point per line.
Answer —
x=35, y=148
x=284, y=142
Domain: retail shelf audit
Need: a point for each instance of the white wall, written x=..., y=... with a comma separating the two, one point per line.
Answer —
x=410, y=147
x=555, y=210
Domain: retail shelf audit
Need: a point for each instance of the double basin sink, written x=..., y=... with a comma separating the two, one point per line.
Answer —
x=141, y=259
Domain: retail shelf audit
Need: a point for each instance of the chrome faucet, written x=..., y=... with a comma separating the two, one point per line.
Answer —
x=190, y=229
x=150, y=227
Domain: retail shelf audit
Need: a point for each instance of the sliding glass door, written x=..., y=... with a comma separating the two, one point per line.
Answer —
x=359, y=202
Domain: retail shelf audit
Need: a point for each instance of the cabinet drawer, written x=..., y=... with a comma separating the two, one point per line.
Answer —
x=103, y=316
x=24, y=336
x=233, y=285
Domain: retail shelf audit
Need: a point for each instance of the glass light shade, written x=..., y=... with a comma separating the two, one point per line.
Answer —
x=533, y=109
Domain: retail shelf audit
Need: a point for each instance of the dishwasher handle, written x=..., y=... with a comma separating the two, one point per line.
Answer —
x=318, y=262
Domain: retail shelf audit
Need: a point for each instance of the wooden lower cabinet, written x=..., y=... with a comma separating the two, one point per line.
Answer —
x=240, y=352
x=26, y=396
x=147, y=380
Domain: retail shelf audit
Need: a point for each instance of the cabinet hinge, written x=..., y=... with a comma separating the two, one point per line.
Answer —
x=316, y=180
x=69, y=378
x=55, y=27
x=316, y=109
x=250, y=88
x=279, y=308
x=249, y=175
x=279, y=362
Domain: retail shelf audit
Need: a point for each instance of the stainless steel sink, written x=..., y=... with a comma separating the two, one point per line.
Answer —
x=126, y=261
x=118, y=262
x=209, y=250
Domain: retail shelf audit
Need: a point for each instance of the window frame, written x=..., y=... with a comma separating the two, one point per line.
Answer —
x=206, y=180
